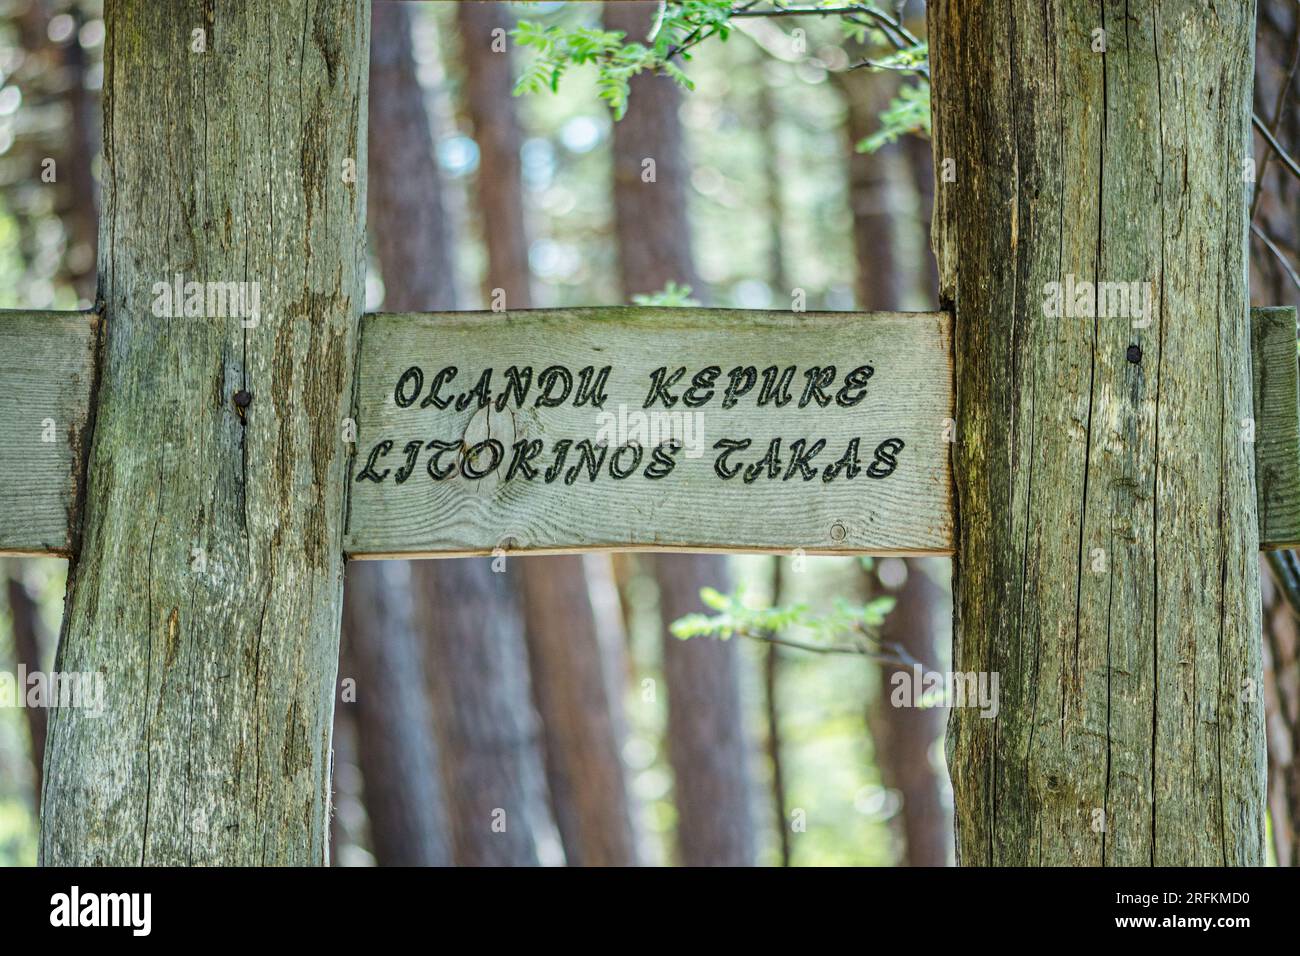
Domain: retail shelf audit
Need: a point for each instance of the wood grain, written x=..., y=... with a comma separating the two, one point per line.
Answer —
x=47, y=367
x=46, y=370
x=1277, y=439
x=908, y=396
x=1106, y=563
x=208, y=586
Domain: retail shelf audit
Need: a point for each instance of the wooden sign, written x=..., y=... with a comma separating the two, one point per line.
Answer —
x=652, y=429
x=47, y=368
x=618, y=428
x=1276, y=381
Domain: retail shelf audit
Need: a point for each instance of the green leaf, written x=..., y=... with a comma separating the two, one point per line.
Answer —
x=671, y=295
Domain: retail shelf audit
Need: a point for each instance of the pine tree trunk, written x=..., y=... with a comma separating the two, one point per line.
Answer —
x=904, y=736
x=409, y=226
x=712, y=788
x=490, y=103
x=584, y=766
x=1106, y=562
x=1282, y=703
x=476, y=659
x=208, y=585
x=28, y=634
x=707, y=745
x=881, y=279
x=491, y=743
x=396, y=748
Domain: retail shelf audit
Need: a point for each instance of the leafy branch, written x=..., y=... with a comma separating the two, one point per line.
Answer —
x=683, y=25
x=847, y=629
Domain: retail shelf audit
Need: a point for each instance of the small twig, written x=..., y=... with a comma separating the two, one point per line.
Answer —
x=898, y=41
x=1279, y=107
x=901, y=656
x=1285, y=566
x=896, y=67
x=1292, y=167
x=884, y=653
x=849, y=10
x=805, y=646
x=1290, y=270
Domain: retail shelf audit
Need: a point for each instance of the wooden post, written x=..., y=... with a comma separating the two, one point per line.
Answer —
x=208, y=585
x=1106, y=530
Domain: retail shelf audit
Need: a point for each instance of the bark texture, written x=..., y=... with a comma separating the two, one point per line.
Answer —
x=209, y=583
x=1107, y=557
x=396, y=748
x=491, y=746
x=707, y=746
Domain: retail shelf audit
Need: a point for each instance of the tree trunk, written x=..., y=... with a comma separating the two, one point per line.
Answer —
x=396, y=748
x=395, y=745
x=1106, y=561
x=1282, y=705
x=780, y=282
x=920, y=162
x=491, y=753
x=29, y=640
x=1276, y=214
x=409, y=226
x=208, y=586
x=707, y=746
x=882, y=281
x=1276, y=202
x=767, y=118
x=584, y=765
x=490, y=104
x=57, y=72
x=583, y=754
x=904, y=737
x=712, y=787
x=771, y=676
x=476, y=658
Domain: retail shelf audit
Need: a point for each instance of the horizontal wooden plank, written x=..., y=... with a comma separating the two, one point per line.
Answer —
x=1277, y=437
x=46, y=377
x=882, y=411
x=47, y=363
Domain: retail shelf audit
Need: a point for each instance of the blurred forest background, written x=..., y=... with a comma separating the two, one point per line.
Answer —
x=555, y=690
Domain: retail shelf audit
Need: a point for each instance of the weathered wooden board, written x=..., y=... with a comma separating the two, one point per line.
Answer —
x=47, y=365
x=883, y=413
x=1277, y=443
